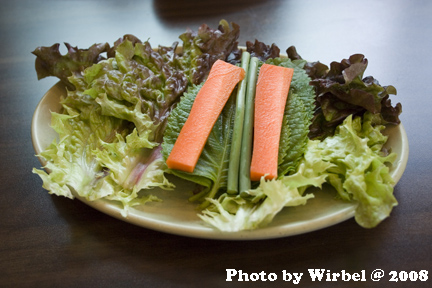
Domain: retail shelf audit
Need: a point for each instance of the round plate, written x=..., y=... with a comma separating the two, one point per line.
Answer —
x=178, y=216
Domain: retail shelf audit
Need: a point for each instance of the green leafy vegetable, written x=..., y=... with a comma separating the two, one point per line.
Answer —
x=74, y=163
x=202, y=48
x=212, y=167
x=351, y=161
x=210, y=170
x=137, y=85
x=116, y=110
x=360, y=172
x=257, y=207
x=297, y=116
x=199, y=51
x=122, y=114
x=108, y=145
x=133, y=165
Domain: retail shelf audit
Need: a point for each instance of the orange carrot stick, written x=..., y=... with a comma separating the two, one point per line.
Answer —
x=270, y=99
x=207, y=107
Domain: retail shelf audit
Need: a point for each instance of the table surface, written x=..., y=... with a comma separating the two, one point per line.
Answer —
x=48, y=241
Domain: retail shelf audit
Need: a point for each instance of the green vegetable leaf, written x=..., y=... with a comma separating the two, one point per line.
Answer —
x=116, y=111
x=138, y=85
x=297, y=116
x=122, y=115
x=211, y=170
x=233, y=214
x=71, y=162
x=352, y=161
x=133, y=165
x=257, y=207
x=360, y=173
x=112, y=126
x=201, y=49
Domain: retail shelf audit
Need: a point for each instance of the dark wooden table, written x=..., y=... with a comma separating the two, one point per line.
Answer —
x=50, y=241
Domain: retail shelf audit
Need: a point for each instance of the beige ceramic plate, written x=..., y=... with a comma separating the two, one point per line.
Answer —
x=177, y=216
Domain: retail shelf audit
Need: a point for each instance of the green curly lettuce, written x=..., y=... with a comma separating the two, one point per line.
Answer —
x=79, y=161
x=352, y=161
x=257, y=207
x=361, y=173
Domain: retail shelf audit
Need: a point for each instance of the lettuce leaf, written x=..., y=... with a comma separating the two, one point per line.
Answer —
x=82, y=162
x=352, y=161
x=137, y=85
x=133, y=165
x=262, y=51
x=245, y=214
x=341, y=90
x=202, y=48
x=50, y=62
x=361, y=173
x=116, y=111
x=111, y=128
x=257, y=207
x=70, y=161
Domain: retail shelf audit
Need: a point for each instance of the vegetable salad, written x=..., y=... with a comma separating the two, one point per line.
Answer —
x=127, y=102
